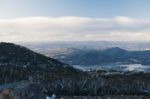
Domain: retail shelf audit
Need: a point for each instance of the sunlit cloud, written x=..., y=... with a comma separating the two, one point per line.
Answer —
x=71, y=28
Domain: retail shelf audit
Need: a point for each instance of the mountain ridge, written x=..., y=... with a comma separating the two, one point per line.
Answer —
x=104, y=56
x=11, y=53
x=19, y=63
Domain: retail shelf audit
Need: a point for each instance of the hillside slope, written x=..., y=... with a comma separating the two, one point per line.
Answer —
x=19, y=63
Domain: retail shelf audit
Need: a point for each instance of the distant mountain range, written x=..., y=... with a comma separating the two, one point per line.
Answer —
x=46, y=46
x=104, y=56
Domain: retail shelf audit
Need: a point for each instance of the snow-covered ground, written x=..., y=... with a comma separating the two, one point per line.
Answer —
x=117, y=67
x=48, y=97
x=51, y=97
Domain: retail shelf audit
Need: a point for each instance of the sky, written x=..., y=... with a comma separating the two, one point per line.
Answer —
x=74, y=20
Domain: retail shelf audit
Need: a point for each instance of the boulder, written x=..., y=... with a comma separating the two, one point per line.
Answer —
x=21, y=90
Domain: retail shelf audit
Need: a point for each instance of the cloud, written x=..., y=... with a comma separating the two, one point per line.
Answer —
x=69, y=28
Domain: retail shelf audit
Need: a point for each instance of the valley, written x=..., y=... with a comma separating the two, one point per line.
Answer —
x=22, y=69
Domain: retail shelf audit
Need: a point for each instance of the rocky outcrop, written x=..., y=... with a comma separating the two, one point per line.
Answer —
x=6, y=94
x=21, y=90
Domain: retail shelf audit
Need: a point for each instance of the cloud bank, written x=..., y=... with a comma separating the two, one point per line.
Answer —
x=71, y=28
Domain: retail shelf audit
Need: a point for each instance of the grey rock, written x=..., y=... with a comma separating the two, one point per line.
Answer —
x=21, y=90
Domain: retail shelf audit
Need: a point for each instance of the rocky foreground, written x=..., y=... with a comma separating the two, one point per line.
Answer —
x=21, y=90
x=104, y=97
